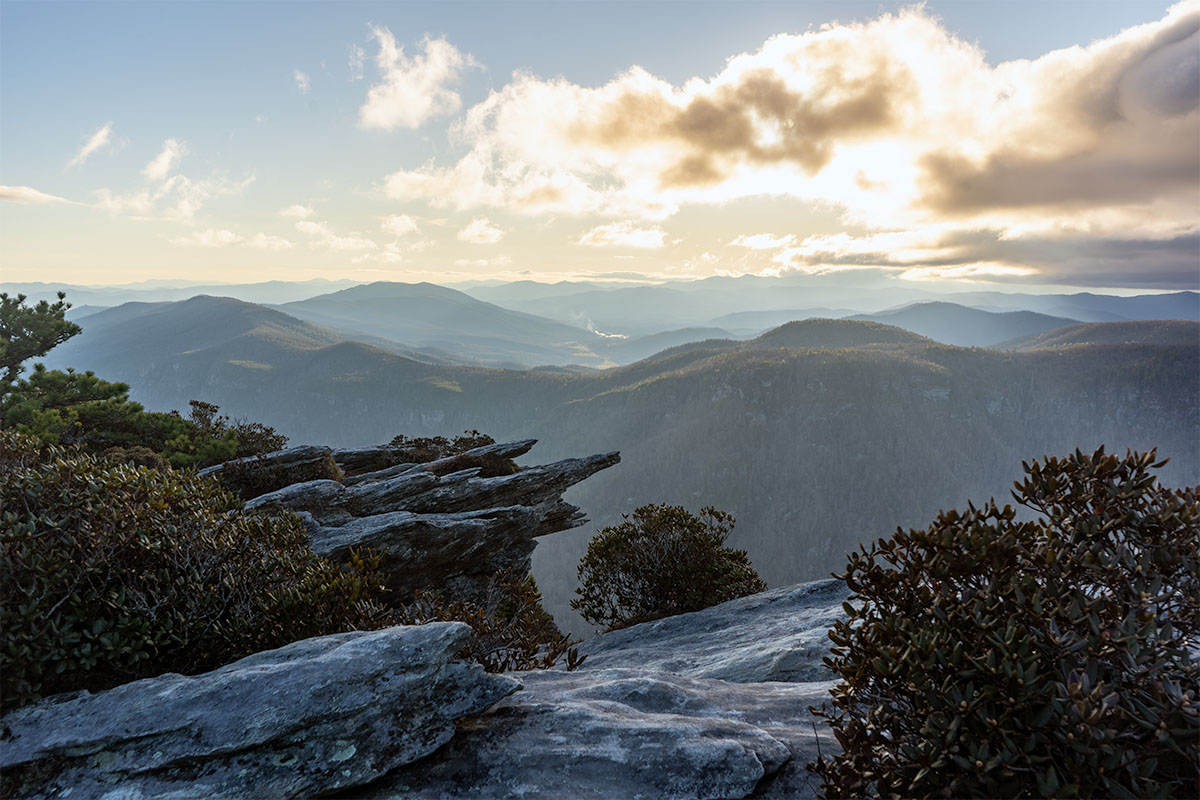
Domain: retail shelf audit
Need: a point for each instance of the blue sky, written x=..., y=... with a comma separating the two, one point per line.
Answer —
x=255, y=109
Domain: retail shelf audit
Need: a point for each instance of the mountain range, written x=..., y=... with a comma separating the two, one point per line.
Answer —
x=816, y=435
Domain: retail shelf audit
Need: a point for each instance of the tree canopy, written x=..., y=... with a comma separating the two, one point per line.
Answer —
x=30, y=331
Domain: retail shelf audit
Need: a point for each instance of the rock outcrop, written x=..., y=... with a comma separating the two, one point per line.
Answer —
x=448, y=524
x=708, y=704
x=626, y=733
x=777, y=635
x=311, y=717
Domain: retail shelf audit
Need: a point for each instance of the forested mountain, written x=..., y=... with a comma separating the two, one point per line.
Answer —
x=951, y=323
x=1164, y=332
x=816, y=436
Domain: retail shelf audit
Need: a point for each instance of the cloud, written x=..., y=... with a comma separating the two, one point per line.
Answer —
x=297, y=211
x=165, y=161
x=895, y=122
x=412, y=91
x=27, y=194
x=176, y=198
x=302, y=82
x=763, y=241
x=480, y=231
x=324, y=236
x=213, y=237
x=217, y=237
x=263, y=241
x=101, y=138
x=623, y=234
x=483, y=263
x=399, y=224
x=357, y=57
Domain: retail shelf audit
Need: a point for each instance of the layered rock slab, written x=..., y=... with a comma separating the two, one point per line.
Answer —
x=777, y=635
x=437, y=526
x=626, y=733
x=311, y=717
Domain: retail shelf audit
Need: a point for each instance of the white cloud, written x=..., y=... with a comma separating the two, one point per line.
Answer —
x=357, y=56
x=483, y=263
x=176, y=198
x=101, y=138
x=263, y=241
x=165, y=161
x=399, y=224
x=302, y=81
x=324, y=236
x=297, y=212
x=213, y=237
x=219, y=237
x=27, y=194
x=624, y=234
x=413, y=90
x=480, y=231
x=895, y=121
x=763, y=241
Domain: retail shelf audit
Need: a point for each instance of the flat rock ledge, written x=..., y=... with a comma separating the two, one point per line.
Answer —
x=309, y=718
x=777, y=635
x=626, y=733
x=436, y=525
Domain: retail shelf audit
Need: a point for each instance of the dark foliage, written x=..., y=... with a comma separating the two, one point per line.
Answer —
x=30, y=331
x=112, y=572
x=250, y=477
x=660, y=561
x=990, y=657
x=510, y=628
x=253, y=438
x=418, y=450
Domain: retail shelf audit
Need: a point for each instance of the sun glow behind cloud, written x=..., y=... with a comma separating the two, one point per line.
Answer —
x=888, y=144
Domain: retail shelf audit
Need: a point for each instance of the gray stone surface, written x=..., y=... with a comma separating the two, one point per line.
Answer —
x=311, y=717
x=449, y=531
x=777, y=635
x=624, y=733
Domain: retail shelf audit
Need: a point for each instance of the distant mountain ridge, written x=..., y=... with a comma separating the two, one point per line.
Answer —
x=425, y=314
x=951, y=323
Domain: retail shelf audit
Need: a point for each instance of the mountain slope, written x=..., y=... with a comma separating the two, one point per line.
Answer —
x=950, y=323
x=1157, y=332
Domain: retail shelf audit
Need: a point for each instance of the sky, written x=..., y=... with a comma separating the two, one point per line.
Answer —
x=1006, y=144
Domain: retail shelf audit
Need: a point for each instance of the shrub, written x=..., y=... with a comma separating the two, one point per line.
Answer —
x=111, y=572
x=430, y=448
x=987, y=656
x=661, y=560
x=511, y=630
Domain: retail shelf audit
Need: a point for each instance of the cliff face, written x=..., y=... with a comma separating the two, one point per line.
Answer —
x=709, y=704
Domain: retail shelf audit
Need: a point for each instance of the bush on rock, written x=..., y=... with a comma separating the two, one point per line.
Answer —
x=113, y=571
x=510, y=629
x=660, y=561
x=987, y=656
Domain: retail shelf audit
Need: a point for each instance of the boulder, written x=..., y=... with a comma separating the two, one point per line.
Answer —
x=626, y=733
x=314, y=716
x=777, y=635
